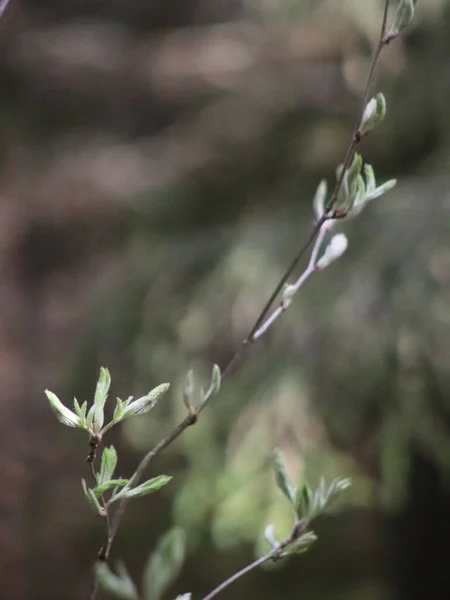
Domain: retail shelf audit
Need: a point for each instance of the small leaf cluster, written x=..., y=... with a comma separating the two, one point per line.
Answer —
x=189, y=388
x=358, y=188
x=309, y=504
x=92, y=420
x=306, y=503
x=162, y=568
x=120, y=488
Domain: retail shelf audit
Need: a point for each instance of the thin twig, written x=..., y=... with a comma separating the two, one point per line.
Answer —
x=310, y=269
x=191, y=418
x=260, y=561
x=274, y=554
x=283, y=280
x=356, y=137
x=95, y=581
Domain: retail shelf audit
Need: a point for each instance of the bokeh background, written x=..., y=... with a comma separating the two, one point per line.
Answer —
x=158, y=163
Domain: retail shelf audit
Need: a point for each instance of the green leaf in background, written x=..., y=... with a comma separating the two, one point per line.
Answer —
x=108, y=465
x=119, y=585
x=101, y=394
x=164, y=564
x=152, y=485
x=281, y=477
x=63, y=414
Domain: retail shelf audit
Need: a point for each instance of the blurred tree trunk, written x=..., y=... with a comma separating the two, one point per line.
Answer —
x=422, y=532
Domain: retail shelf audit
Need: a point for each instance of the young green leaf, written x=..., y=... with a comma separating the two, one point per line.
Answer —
x=321, y=491
x=120, y=408
x=164, y=564
x=108, y=485
x=188, y=389
x=319, y=199
x=63, y=414
x=101, y=394
x=303, y=500
x=120, y=585
x=317, y=505
x=336, y=488
x=214, y=385
x=370, y=178
x=92, y=499
x=359, y=199
x=108, y=465
x=152, y=485
x=146, y=403
x=281, y=477
x=80, y=411
x=380, y=190
x=351, y=177
x=89, y=419
x=303, y=544
x=374, y=114
x=404, y=16
x=216, y=378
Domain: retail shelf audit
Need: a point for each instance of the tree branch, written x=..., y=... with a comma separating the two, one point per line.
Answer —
x=261, y=324
x=274, y=554
x=355, y=139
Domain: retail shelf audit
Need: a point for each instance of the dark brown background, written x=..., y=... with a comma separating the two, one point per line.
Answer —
x=158, y=161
